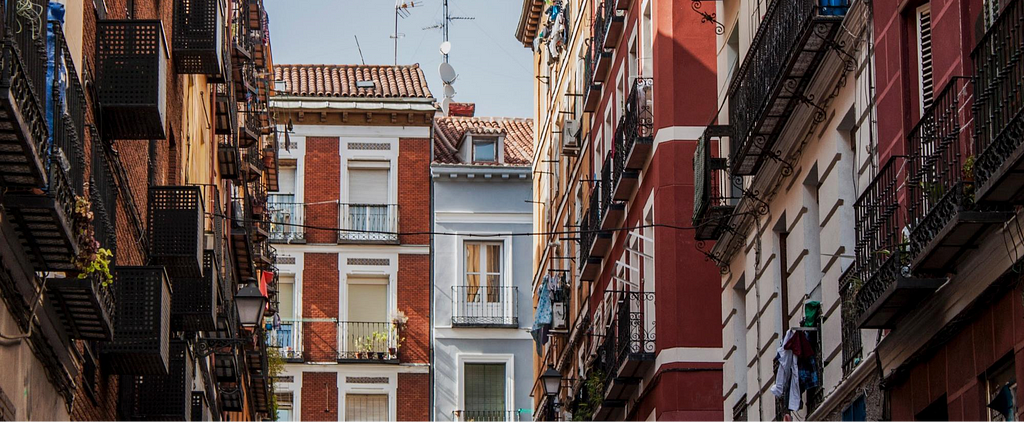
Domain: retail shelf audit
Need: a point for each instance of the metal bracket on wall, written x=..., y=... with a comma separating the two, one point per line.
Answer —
x=706, y=17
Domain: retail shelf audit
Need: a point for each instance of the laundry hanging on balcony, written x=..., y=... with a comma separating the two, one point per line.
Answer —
x=554, y=34
x=797, y=369
x=542, y=316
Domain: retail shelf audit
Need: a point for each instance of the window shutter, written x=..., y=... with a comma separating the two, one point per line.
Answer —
x=286, y=297
x=286, y=180
x=924, y=55
x=367, y=302
x=366, y=407
x=485, y=390
x=368, y=185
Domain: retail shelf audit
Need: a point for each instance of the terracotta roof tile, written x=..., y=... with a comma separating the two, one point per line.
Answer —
x=450, y=131
x=330, y=80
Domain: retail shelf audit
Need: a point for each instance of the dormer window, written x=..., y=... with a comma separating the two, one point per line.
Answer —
x=485, y=149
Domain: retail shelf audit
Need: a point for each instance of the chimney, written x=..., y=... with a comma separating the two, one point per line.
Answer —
x=462, y=109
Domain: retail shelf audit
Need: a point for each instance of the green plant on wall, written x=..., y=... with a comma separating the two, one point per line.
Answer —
x=275, y=365
x=594, y=386
x=91, y=258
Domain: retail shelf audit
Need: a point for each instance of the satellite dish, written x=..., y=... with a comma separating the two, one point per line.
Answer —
x=444, y=105
x=446, y=47
x=449, y=91
x=447, y=73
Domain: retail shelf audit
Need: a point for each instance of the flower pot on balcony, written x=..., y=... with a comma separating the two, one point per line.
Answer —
x=380, y=355
x=393, y=351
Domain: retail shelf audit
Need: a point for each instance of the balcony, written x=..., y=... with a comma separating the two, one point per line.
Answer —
x=131, y=78
x=226, y=110
x=853, y=351
x=288, y=340
x=999, y=109
x=161, y=397
x=253, y=114
x=266, y=256
x=714, y=195
x=43, y=210
x=198, y=37
x=485, y=306
x=241, y=41
x=176, y=229
x=256, y=31
x=286, y=220
x=368, y=223
x=229, y=158
x=628, y=348
x=594, y=61
x=945, y=221
x=242, y=229
x=594, y=241
x=486, y=415
x=141, y=324
x=194, y=305
x=252, y=164
x=791, y=42
x=638, y=126
x=612, y=210
x=23, y=85
x=367, y=342
x=270, y=159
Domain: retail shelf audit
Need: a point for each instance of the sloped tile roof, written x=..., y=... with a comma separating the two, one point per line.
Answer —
x=450, y=131
x=332, y=80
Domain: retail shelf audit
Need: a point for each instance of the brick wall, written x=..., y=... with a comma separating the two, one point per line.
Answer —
x=320, y=301
x=413, y=397
x=414, y=300
x=322, y=184
x=319, y=396
x=414, y=190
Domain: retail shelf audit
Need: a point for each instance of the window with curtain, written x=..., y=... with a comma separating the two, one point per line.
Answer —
x=366, y=407
x=483, y=271
x=484, y=391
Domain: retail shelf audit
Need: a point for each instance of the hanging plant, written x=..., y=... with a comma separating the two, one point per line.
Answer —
x=91, y=258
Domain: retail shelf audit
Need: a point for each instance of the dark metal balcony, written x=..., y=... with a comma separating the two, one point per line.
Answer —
x=161, y=397
x=44, y=214
x=791, y=43
x=142, y=322
x=265, y=255
x=229, y=157
x=485, y=306
x=252, y=159
x=714, y=195
x=286, y=220
x=612, y=210
x=853, y=352
x=84, y=305
x=594, y=60
x=241, y=41
x=596, y=240
x=609, y=21
x=253, y=112
x=199, y=31
x=627, y=348
x=368, y=223
x=638, y=125
x=176, y=229
x=23, y=85
x=270, y=160
x=999, y=109
x=944, y=219
x=367, y=342
x=194, y=305
x=241, y=235
x=257, y=33
x=131, y=78
x=226, y=110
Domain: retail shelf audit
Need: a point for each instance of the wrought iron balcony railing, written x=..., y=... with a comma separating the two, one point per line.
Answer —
x=141, y=323
x=368, y=223
x=784, y=56
x=849, y=284
x=637, y=126
x=627, y=346
x=486, y=415
x=999, y=107
x=24, y=82
x=286, y=221
x=288, y=339
x=367, y=342
x=485, y=306
x=715, y=196
x=880, y=219
x=131, y=82
x=242, y=237
x=176, y=229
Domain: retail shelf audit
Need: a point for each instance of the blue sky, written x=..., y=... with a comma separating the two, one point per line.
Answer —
x=494, y=68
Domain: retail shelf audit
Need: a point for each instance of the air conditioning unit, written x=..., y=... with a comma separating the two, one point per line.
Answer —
x=571, y=137
x=559, y=319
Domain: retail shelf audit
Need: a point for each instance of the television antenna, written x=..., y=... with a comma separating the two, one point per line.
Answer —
x=402, y=11
x=443, y=25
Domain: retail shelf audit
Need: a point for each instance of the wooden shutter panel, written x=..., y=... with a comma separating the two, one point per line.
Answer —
x=924, y=55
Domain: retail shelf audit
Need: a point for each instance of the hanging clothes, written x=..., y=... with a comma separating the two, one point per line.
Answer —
x=542, y=317
x=787, y=377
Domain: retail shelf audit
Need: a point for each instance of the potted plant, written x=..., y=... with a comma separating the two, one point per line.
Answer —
x=91, y=259
x=399, y=320
x=968, y=169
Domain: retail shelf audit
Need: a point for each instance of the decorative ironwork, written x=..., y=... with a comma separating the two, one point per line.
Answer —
x=879, y=220
x=368, y=223
x=131, y=82
x=485, y=306
x=999, y=107
x=706, y=17
x=367, y=342
x=849, y=285
x=715, y=196
x=141, y=323
x=198, y=37
x=286, y=220
x=24, y=66
x=176, y=229
x=783, y=57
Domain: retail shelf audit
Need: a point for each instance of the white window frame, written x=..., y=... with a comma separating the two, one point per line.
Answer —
x=508, y=359
x=506, y=269
x=344, y=389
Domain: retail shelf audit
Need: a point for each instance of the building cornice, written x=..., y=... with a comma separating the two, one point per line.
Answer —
x=478, y=172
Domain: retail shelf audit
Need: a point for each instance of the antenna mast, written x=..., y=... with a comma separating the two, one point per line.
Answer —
x=360, y=50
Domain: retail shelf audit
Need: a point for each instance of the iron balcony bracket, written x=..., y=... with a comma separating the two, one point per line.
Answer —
x=207, y=346
x=706, y=17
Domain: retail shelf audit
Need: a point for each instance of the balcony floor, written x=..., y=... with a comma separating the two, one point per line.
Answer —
x=44, y=230
x=962, y=234
x=902, y=295
x=1006, y=185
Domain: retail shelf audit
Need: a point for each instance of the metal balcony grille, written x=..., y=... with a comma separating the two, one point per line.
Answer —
x=194, y=305
x=366, y=341
x=715, y=196
x=286, y=220
x=131, y=81
x=486, y=415
x=198, y=36
x=790, y=44
x=879, y=219
x=176, y=229
x=142, y=322
x=288, y=339
x=849, y=284
x=85, y=307
x=999, y=106
x=485, y=306
x=368, y=223
x=161, y=397
x=24, y=75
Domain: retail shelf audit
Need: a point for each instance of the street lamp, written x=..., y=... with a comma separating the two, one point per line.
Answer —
x=552, y=380
x=251, y=303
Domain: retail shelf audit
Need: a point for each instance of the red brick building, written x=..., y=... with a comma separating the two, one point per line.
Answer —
x=623, y=91
x=353, y=216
